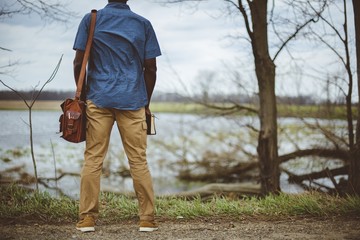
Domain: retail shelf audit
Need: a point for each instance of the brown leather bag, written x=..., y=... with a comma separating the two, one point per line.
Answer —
x=73, y=119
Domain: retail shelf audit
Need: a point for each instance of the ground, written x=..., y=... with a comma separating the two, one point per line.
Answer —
x=209, y=229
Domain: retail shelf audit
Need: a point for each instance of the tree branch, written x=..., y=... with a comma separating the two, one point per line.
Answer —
x=314, y=19
x=298, y=29
x=246, y=19
x=48, y=81
x=53, y=11
x=316, y=175
x=320, y=152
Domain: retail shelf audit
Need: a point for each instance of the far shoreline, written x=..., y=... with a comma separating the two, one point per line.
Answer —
x=48, y=105
x=284, y=110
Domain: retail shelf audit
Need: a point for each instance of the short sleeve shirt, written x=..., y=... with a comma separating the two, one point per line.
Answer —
x=122, y=41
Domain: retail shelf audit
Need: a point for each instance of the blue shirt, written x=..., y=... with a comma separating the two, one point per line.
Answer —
x=122, y=41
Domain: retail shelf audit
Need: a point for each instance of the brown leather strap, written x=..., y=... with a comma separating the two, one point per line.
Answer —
x=81, y=79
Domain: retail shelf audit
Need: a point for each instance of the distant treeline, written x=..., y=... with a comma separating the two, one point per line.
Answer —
x=175, y=97
x=45, y=95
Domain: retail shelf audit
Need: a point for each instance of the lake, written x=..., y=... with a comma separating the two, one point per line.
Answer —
x=178, y=136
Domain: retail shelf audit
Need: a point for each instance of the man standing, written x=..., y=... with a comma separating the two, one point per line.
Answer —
x=120, y=79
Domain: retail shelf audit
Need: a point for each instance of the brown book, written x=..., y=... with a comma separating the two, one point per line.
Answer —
x=150, y=122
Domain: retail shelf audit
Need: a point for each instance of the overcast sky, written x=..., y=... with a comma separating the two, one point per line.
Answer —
x=193, y=43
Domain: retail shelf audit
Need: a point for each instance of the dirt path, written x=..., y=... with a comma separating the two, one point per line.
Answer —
x=209, y=229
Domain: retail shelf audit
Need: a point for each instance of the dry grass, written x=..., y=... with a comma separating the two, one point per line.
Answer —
x=20, y=105
x=336, y=112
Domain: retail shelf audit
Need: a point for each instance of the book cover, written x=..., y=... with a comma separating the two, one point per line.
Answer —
x=150, y=122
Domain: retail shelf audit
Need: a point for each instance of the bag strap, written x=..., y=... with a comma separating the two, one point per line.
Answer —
x=86, y=55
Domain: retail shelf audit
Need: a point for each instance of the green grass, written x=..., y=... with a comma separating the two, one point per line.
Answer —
x=16, y=202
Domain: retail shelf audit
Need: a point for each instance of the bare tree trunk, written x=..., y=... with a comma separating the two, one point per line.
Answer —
x=265, y=72
x=32, y=148
x=354, y=171
x=350, y=89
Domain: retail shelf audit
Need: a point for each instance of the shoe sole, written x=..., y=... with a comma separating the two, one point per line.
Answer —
x=86, y=229
x=147, y=229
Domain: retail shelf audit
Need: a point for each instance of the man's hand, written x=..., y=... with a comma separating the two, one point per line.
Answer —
x=147, y=111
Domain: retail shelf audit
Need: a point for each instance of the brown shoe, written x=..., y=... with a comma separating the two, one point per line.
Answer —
x=87, y=224
x=148, y=226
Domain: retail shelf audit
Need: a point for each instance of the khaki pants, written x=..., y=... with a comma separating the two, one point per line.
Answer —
x=132, y=128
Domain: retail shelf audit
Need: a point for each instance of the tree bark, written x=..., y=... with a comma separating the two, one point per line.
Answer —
x=354, y=171
x=265, y=72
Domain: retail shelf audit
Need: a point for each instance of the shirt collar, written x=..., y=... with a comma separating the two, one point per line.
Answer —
x=118, y=5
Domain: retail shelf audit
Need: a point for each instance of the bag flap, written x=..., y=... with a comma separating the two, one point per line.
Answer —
x=72, y=114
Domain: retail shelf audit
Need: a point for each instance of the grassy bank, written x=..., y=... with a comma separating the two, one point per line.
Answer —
x=39, y=105
x=334, y=112
x=16, y=202
x=55, y=106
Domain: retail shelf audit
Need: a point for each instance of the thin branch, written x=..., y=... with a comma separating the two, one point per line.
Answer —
x=298, y=29
x=317, y=175
x=48, y=81
x=30, y=118
x=5, y=49
x=328, y=23
x=16, y=92
x=331, y=48
x=234, y=108
x=320, y=152
x=314, y=19
x=246, y=19
x=47, y=11
x=331, y=136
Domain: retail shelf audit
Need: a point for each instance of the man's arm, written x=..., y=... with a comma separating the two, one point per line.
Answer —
x=150, y=79
x=79, y=56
